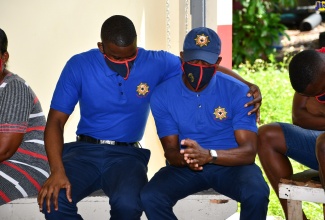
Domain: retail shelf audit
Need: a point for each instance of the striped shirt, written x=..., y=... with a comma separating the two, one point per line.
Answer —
x=23, y=174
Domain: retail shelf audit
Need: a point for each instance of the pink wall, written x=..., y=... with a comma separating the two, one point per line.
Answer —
x=225, y=33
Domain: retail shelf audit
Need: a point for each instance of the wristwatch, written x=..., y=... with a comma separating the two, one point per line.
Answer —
x=214, y=155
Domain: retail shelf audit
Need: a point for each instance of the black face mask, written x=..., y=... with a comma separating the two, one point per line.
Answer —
x=198, y=75
x=123, y=67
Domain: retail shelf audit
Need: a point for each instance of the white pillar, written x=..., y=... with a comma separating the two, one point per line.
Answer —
x=223, y=18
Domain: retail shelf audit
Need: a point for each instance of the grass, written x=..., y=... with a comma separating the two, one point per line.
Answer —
x=274, y=83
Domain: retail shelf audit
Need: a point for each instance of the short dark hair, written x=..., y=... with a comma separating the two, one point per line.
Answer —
x=304, y=69
x=3, y=42
x=119, y=30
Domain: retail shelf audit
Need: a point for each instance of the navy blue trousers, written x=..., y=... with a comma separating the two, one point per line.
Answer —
x=244, y=184
x=120, y=171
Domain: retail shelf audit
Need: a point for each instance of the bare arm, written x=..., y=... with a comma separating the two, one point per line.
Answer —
x=171, y=149
x=244, y=154
x=10, y=142
x=54, y=146
x=233, y=74
x=53, y=137
x=308, y=113
x=254, y=91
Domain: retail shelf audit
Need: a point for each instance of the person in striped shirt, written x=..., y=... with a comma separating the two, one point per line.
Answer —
x=23, y=161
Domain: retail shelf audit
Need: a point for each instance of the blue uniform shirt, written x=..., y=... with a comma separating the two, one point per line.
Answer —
x=209, y=117
x=112, y=108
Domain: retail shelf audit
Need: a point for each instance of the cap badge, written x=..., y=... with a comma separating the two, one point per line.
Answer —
x=220, y=113
x=202, y=40
x=142, y=89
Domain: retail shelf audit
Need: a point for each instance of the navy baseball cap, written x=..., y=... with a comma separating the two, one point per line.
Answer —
x=202, y=44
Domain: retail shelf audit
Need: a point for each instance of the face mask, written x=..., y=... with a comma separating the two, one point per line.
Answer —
x=123, y=67
x=198, y=75
x=321, y=98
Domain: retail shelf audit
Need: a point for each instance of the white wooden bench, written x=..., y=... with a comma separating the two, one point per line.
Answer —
x=204, y=205
x=301, y=187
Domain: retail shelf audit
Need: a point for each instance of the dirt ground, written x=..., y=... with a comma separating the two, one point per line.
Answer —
x=301, y=40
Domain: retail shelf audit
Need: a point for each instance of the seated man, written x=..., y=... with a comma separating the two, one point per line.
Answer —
x=208, y=138
x=304, y=140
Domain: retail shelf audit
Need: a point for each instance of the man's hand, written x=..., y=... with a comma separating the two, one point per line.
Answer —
x=50, y=191
x=254, y=91
x=194, y=154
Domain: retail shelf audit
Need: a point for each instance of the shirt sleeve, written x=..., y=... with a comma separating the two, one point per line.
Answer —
x=66, y=93
x=173, y=66
x=165, y=124
x=16, y=103
x=241, y=120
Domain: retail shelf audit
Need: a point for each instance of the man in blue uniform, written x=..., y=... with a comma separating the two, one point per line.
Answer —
x=113, y=85
x=209, y=139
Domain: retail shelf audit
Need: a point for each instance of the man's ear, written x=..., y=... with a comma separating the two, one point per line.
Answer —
x=5, y=57
x=100, y=47
x=181, y=55
x=219, y=60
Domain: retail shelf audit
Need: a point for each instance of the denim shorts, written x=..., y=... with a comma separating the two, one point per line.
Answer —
x=301, y=144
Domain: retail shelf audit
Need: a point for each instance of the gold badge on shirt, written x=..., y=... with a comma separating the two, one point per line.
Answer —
x=220, y=113
x=202, y=40
x=142, y=89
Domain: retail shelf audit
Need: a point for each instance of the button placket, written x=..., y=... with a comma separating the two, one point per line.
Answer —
x=121, y=87
x=198, y=100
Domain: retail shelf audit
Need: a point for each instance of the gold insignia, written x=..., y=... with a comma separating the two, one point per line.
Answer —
x=190, y=75
x=202, y=40
x=220, y=113
x=142, y=89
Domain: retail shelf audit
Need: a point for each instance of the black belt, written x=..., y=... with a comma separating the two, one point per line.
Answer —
x=92, y=140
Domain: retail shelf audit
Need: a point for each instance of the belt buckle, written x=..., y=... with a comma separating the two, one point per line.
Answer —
x=107, y=142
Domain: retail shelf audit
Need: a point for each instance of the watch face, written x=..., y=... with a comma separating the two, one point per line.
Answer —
x=213, y=153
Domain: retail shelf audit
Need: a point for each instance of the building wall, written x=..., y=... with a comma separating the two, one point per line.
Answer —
x=223, y=11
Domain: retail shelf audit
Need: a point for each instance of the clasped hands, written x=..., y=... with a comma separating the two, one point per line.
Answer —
x=194, y=155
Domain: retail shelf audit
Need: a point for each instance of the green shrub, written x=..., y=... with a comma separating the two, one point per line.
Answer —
x=256, y=27
x=274, y=83
x=277, y=93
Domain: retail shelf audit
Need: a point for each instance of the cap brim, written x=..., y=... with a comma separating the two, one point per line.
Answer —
x=206, y=56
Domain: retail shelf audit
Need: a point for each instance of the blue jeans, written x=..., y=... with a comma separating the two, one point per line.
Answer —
x=244, y=184
x=301, y=144
x=120, y=171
